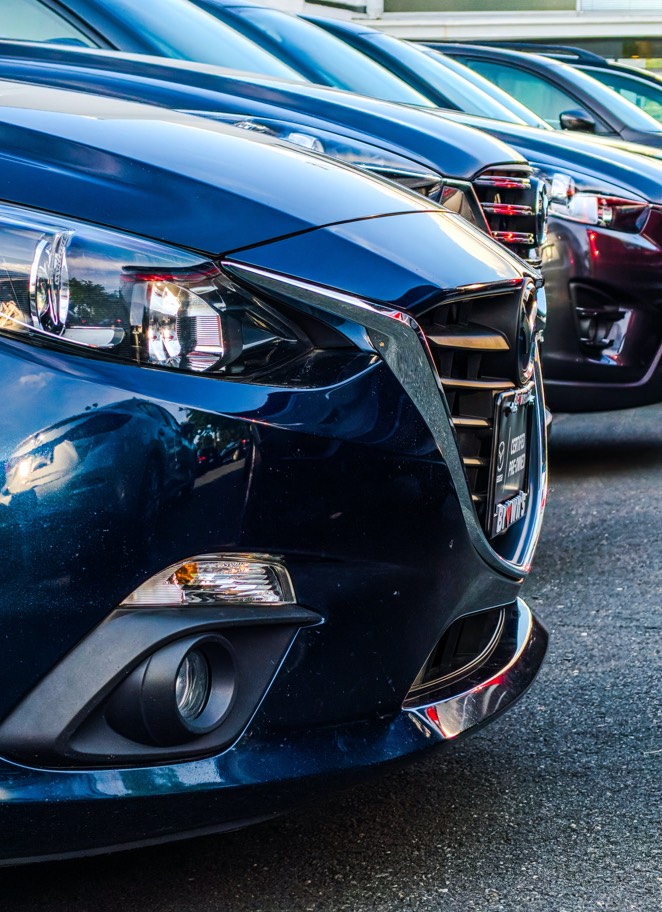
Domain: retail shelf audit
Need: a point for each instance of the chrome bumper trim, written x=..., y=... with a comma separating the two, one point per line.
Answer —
x=397, y=338
x=493, y=687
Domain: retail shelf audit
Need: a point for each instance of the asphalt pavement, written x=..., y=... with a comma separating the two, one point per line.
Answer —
x=556, y=807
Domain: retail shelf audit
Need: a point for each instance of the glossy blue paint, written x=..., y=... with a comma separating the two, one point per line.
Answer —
x=319, y=56
x=327, y=51
x=109, y=161
x=450, y=148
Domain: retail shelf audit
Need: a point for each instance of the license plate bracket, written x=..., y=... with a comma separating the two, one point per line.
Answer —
x=509, y=476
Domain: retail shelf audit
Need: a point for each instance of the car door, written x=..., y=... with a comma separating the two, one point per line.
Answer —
x=537, y=92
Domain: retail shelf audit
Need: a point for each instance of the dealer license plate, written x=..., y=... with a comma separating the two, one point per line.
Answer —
x=509, y=487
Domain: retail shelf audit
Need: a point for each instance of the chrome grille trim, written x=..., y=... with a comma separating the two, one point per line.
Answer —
x=505, y=183
x=514, y=238
x=473, y=375
x=507, y=209
x=515, y=206
x=399, y=341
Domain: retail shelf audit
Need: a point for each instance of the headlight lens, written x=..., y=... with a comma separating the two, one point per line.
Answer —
x=77, y=286
x=597, y=204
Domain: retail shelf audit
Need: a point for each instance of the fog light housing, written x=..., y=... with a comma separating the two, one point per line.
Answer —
x=183, y=691
x=216, y=579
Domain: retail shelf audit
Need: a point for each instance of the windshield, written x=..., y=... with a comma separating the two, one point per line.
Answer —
x=460, y=94
x=178, y=29
x=525, y=114
x=339, y=64
x=643, y=94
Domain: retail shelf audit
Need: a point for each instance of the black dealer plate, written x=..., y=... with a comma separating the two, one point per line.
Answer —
x=509, y=486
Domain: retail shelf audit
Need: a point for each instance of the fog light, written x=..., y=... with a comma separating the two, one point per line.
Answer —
x=192, y=685
x=183, y=691
x=216, y=579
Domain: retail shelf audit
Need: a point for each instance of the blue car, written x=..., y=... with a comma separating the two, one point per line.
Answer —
x=340, y=588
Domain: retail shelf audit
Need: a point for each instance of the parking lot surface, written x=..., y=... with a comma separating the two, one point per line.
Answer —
x=554, y=808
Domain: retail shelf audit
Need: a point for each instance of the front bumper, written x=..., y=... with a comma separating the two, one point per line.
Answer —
x=603, y=344
x=258, y=777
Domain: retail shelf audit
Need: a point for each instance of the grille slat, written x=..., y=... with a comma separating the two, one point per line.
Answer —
x=474, y=345
x=472, y=338
x=476, y=423
x=476, y=385
x=507, y=209
x=476, y=462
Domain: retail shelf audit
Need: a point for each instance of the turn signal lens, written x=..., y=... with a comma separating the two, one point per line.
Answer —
x=216, y=580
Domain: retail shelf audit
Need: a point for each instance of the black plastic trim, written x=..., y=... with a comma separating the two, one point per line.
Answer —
x=62, y=721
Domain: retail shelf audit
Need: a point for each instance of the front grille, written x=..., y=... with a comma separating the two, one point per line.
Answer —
x=473, y=342
x=514, y=208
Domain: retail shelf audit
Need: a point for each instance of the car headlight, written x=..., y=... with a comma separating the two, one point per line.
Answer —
x=69, y=284
x=581, y=199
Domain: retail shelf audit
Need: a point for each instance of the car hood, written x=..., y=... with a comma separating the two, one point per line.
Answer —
x=632, y=167
x=405, y=261
x=180, y=179
x=453, y=149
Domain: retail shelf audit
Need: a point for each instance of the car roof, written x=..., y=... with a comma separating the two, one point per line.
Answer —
x=534, y=61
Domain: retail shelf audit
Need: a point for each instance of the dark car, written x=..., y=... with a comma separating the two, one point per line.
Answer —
x=604, y=333
x=443, y=81
x=450, y=163
x=563, y=96
x=342, y=588
x=603, y=256
x=637, y=85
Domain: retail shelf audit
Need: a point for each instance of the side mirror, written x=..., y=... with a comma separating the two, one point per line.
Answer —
x=577, y=120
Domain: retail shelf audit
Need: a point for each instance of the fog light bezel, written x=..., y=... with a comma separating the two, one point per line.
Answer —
x=144, y=708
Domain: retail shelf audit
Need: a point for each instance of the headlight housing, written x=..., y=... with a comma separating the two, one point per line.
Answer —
x=72, y=285
x=581, y=199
